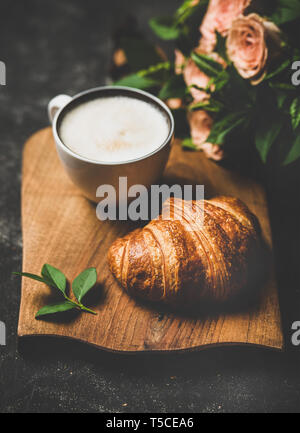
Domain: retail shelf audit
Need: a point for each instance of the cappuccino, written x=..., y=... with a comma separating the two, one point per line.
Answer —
x=114, y=129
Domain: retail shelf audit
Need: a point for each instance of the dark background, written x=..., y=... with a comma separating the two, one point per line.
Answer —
x=53, y=47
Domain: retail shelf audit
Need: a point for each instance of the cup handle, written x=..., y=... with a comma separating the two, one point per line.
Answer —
x=56, y=104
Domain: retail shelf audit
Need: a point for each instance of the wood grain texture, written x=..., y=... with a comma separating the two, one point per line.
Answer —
x=60, y=227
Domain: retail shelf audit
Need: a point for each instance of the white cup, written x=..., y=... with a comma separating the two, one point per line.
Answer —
x=87, y=174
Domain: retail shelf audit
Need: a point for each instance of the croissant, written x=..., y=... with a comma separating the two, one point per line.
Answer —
x=210, y=252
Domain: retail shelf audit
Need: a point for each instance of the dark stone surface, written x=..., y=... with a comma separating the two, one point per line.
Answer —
x=53, y=47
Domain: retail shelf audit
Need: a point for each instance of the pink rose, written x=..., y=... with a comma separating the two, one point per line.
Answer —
x=213, y=151
x=200, y=125
x=194, y=76
x=219, y=17
x=174, y=103
x=179, y=62
x=248, y=44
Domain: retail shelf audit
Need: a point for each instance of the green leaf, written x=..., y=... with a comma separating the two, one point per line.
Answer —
x=55, y=276
x=239, y=92
x=187, y=8
x=295, y=113
x=174, y=88
x=282, y=86
x=207, y=65
x=286, y=64
x=221, y=47
x=220, y=81
x=188, y=144
x=84, y=282
x=34, y=277
x=136, y=81
x=294, y=153
x=164, y=28
x=265, y=136
x=161, y=67
x=225, y=126
x=202, y=89
x=183, y=8
x=190, y=9
x=281, y=99
x=139, y=53
x=210, y=105
x=286, y=11
x=57, y=308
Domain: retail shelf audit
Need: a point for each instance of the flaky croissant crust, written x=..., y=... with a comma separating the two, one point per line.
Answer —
x=182, y=261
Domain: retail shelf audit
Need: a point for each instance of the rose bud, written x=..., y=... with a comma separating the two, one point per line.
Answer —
x=194, y=76
x=200, y=126
x=252, y=42
x=219, y=17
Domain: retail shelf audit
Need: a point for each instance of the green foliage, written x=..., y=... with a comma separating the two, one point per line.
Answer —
x=282, y=86
x=211, y=105
x=84, y=282
x=294, y=152
x=56, y=308
x=139, y=53
x=164, y=28
x=207, y=65
x=173, y=88
x=137, y=81
x=221, y=47
x=188, y=144
x=286, y=11
x=295, y=113
x=173, y=27
x=282, y=67
x=268, y=121
x=225, y=126
x=159, y=73
x=187, y=9
x=35, y=277
x=54, y=278
x=263, y=114
x=265, y=136
x=220, y=81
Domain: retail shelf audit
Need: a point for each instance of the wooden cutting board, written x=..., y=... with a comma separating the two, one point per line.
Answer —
x=60, y=227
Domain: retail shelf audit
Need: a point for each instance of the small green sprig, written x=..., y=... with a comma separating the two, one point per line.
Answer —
x=54, y=278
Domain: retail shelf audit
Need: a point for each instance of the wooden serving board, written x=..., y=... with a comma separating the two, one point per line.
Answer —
x=60, y=227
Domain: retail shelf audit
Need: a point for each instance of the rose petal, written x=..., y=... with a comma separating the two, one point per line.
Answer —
x=213, y=151
x=218, y=18
x=247, y=45
x=200, y=126
x=179, y=62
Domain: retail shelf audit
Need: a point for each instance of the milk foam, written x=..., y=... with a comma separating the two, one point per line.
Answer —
x=114, y=129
